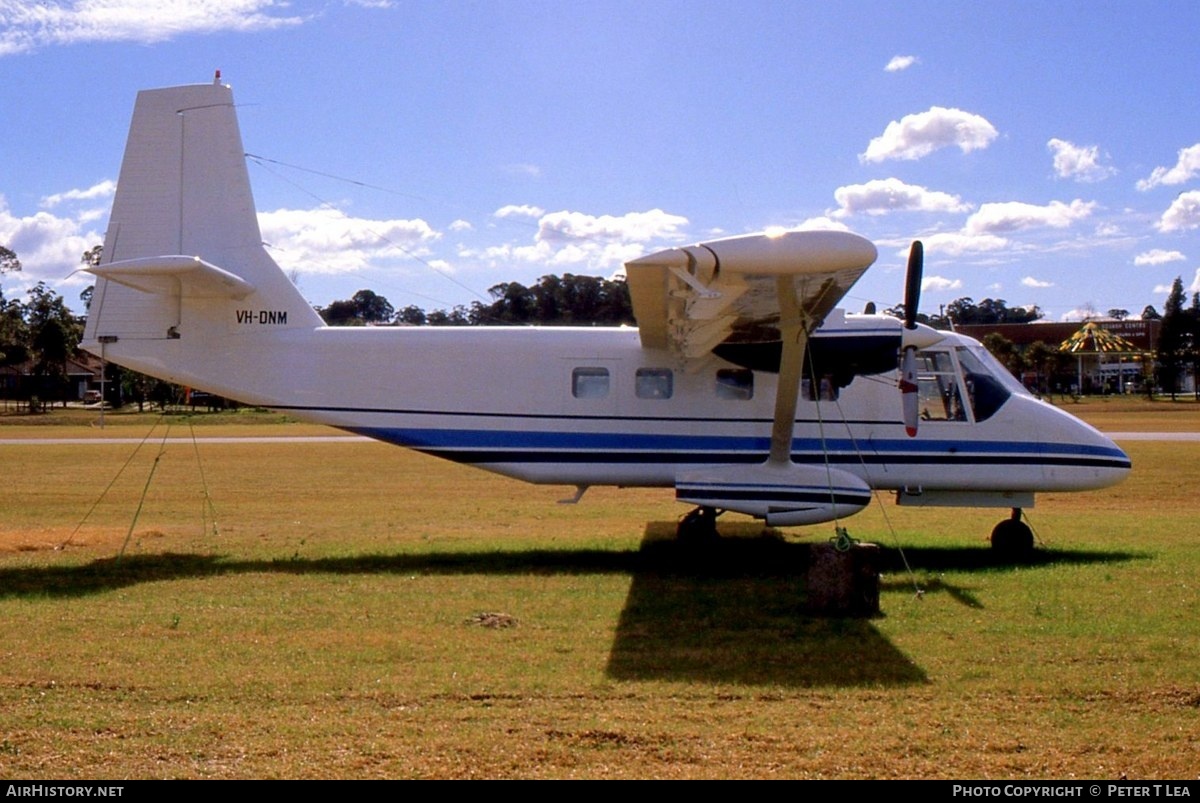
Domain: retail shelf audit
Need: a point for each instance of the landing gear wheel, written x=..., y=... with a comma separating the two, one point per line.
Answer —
x=1012, y=538
x=699, y=525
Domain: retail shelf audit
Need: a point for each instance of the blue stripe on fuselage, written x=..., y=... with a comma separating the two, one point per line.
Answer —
x=514, y=446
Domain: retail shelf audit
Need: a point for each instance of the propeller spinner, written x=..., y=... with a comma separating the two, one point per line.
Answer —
x=908, y=371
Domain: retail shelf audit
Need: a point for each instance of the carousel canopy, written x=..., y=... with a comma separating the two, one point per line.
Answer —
x=1094, y=339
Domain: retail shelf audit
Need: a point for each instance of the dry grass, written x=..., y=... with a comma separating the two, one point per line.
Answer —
x=332, y=628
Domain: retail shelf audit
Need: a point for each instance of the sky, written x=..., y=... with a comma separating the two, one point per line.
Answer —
x=1045, y=153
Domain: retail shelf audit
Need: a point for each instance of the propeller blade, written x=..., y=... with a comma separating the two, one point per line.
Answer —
x=912, y=284
x=908, y=391
x=909, y=397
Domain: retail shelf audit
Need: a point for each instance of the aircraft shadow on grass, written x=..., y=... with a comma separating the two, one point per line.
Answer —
x=725, y=611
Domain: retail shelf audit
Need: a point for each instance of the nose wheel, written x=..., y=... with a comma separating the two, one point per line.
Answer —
x=1012, y=537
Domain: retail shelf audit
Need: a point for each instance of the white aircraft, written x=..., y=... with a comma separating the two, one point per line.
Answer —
x=742, y=387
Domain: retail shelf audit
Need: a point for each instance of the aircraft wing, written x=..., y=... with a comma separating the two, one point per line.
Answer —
x=691, y=299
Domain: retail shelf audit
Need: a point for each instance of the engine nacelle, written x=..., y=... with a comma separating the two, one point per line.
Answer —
x=782, y=494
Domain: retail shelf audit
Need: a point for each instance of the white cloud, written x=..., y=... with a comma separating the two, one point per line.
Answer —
x=954, y=243
x=640, y=227
x=328, y=241
x=1194, y=287
x=820, y=223
x=575, y=240
x=29, y=26
x=460, y=225
x=917, y=135
x=1078, y=162
x=104, y=189
x=49, y=246
x=1009, y=216
x=1083, y=313
x=1186, y=166
x=519, y=210
x=1029, y=281
x=899, y=63
x=1183, y=213
x=1157, y=256
x=940, y=284
x=881, y=196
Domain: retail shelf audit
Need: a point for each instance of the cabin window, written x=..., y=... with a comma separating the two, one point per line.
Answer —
x=654, y=383
x=937, y=388
x=589, y=383
x=735, y=383
x=827, y=387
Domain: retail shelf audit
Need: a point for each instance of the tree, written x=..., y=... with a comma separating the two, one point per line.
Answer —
x=512, y=303
x=1193, y=342
x=8, y=261
x=1173, y=340
x=1150, y=313
x=411, y=315
x=1006, y=352
x=91, y=257
x=1046, y=362
x=14, y=332
x=366, y=307
x=1118, y=314
x=989, y=311
x=373, y=308
x=54, y=333
x=566, y=299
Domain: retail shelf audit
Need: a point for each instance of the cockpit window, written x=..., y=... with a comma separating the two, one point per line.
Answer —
x=989, y=384
x=993, y=367
x=937, y=388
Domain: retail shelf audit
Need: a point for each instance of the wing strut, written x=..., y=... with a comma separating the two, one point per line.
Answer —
x=794, y=332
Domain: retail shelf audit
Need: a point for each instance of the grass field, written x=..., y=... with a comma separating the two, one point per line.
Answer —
x=330, y=625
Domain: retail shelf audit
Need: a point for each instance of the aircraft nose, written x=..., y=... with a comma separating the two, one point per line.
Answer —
x=1080, y=457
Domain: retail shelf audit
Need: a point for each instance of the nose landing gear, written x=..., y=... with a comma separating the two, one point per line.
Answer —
x=1012, y=537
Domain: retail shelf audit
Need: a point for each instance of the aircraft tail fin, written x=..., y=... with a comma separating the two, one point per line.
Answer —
x=183, y=257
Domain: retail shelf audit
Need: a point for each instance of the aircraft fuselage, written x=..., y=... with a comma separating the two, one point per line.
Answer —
x=592, y=406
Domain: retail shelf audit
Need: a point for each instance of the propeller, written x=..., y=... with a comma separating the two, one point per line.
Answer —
x=908, y=370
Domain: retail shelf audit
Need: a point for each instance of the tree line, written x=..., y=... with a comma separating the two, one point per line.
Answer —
x=554, y=300
x=40, y=332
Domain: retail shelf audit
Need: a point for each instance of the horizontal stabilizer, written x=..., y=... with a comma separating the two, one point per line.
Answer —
x=188, y=277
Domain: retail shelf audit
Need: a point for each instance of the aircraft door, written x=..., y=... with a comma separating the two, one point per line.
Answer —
x=940, y=395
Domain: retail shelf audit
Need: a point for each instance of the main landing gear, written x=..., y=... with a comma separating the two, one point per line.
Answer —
x=699, y=525
x=1012, y=537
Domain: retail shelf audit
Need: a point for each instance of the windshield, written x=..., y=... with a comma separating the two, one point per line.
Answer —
x=989, y=384
x=976, y=353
